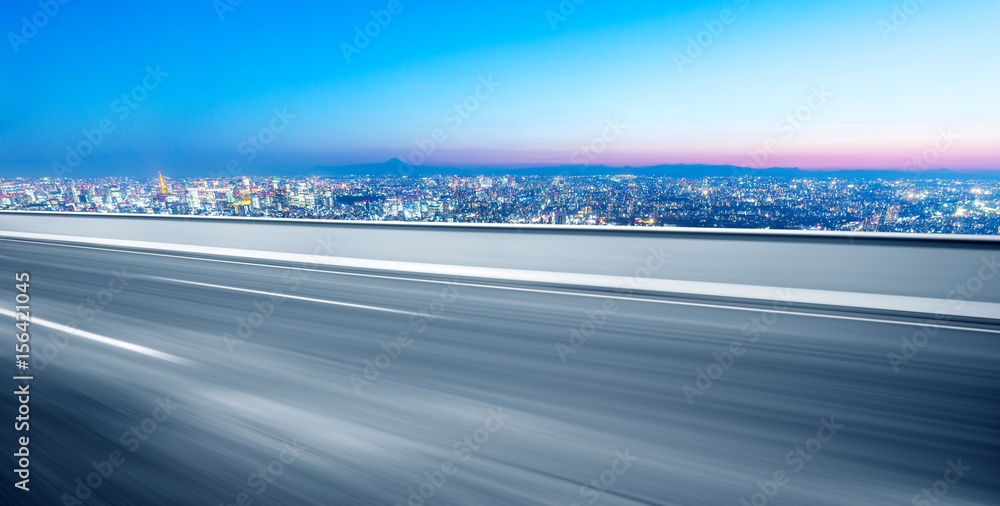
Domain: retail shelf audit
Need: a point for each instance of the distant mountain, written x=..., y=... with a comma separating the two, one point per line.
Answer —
x=395, y=167
x=392, y=167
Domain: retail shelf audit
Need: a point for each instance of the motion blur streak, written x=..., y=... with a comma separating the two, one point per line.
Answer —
x=464, y=399
x=308, y=299
x=101, y=339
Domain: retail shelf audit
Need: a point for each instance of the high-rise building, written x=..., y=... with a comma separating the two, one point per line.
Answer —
x=194, y=198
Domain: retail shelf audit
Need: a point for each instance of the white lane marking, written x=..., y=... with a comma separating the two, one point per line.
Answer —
x=617, y=297
x=104, y=340
x=282, y=295
x=538, y=290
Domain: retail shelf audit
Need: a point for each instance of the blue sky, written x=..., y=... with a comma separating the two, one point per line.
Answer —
x=889, y=87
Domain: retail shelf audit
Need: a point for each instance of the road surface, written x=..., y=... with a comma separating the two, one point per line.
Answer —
x=206, y=380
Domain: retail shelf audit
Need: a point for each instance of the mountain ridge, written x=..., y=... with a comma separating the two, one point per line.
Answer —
x=395, y=167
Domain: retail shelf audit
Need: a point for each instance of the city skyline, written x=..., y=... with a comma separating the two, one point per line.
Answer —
x=921, y=205
x=190, y=87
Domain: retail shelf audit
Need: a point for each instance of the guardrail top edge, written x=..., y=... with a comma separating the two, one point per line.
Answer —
x=678, y=232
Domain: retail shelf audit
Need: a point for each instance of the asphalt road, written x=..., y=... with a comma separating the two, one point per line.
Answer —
x=203, y=381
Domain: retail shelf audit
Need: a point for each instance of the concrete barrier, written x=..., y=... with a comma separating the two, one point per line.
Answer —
x=918, y=273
